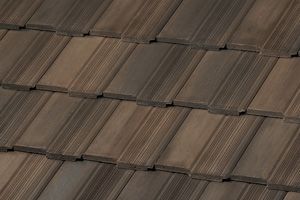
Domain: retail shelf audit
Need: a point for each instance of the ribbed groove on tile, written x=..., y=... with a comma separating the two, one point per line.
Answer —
x=15, y=14
x=2, y=33
x=101, y=68
x=260, y=192
x=222, y=191
x=184, y=22
x=292, y=114
x=152, y=137
x=46, y=125
x=220, y=23
x=68, y=64
x=116, y=18
x=18, y=114
x=81, y=128
x=111, y=141
x=258, y=24
x=225, y=147
x=264, y=151
x=106, y=182
x=150, y=20
x=242, y=84
x=137, y=69
x=286, y=174
x=34, y=62
x=12, y=47
x=206, y=78
x=189, y=141
x=285, y=39
x=280, y=87
x=82, y=17
x=49, y=14
x=144, y=185
x=292, y=196
x=170, y=76
x=30, y=178
x=6, y=96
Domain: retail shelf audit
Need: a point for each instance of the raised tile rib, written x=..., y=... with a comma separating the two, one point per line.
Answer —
x=286, y=175
x=106, y=182
x=258, y=24
x=206, y=78
x=222, y=191
x=150, y=20
x=49, y=14
x=15, y=13
x=135, y=72
x=18, y=114
x=39, y=55
x=285, y=39
x=225, y=147
x=6, y=96
x=31, y=178
x=68, y=64
x=242, y=84
x=276, y=93
x=113, y=138
x=260, y=192
x=152, y=137
x=292, y=114
x=180, y=186
x=2, y=33
x=81, y=128
x=292, y=196
x=46, y=125
x=170, y=76
x=264, y=151
x=189, y=141
x=184, y=23
x=116, y=18
x=82, y=16
x=220, y=23
x=101, y=68
x=12, y=47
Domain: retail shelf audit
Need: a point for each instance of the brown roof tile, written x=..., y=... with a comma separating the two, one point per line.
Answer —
x=15, y=13
x=6, y=95
x=292, y=196
x=260, y=192
x=68, y=64
x=292, y=114
x=2, y=33
x=34, y=62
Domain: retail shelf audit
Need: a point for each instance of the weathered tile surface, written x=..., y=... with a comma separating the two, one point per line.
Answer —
x=292, y=114
x=2, y=33
x=292, y=196
x=6, y=96
x=34, y=62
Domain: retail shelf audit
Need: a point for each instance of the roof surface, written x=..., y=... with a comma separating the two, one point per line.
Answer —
x=150, y=99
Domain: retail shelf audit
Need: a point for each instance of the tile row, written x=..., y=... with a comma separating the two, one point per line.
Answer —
x=158, y=74
x=191, y=141
x=268, y=26
x=33, y=176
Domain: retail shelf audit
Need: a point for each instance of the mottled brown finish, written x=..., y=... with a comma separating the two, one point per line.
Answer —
x=292, y=114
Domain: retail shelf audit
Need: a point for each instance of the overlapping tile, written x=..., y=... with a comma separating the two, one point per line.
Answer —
x=261, y=192
x=278, y=90
x=6, y=96
x=15, y=13
x=86, y=180
x=2, y=33
x=49, y=14
x=81, y=17
x=33, y=63
x=258, y=24
x=116, y=18
x=47, y=124
x=135, y=72
x=28, y=177
x=242, y=84
x=68, y=64
x=81, y=128
x=18, y=113
x=139, y=138
x=168, y=79
x=292, y=196
x=101, y=68
x=292, y=114
x=206, y=79
x=285, y=40
x=149, y=20
x=264, y=151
